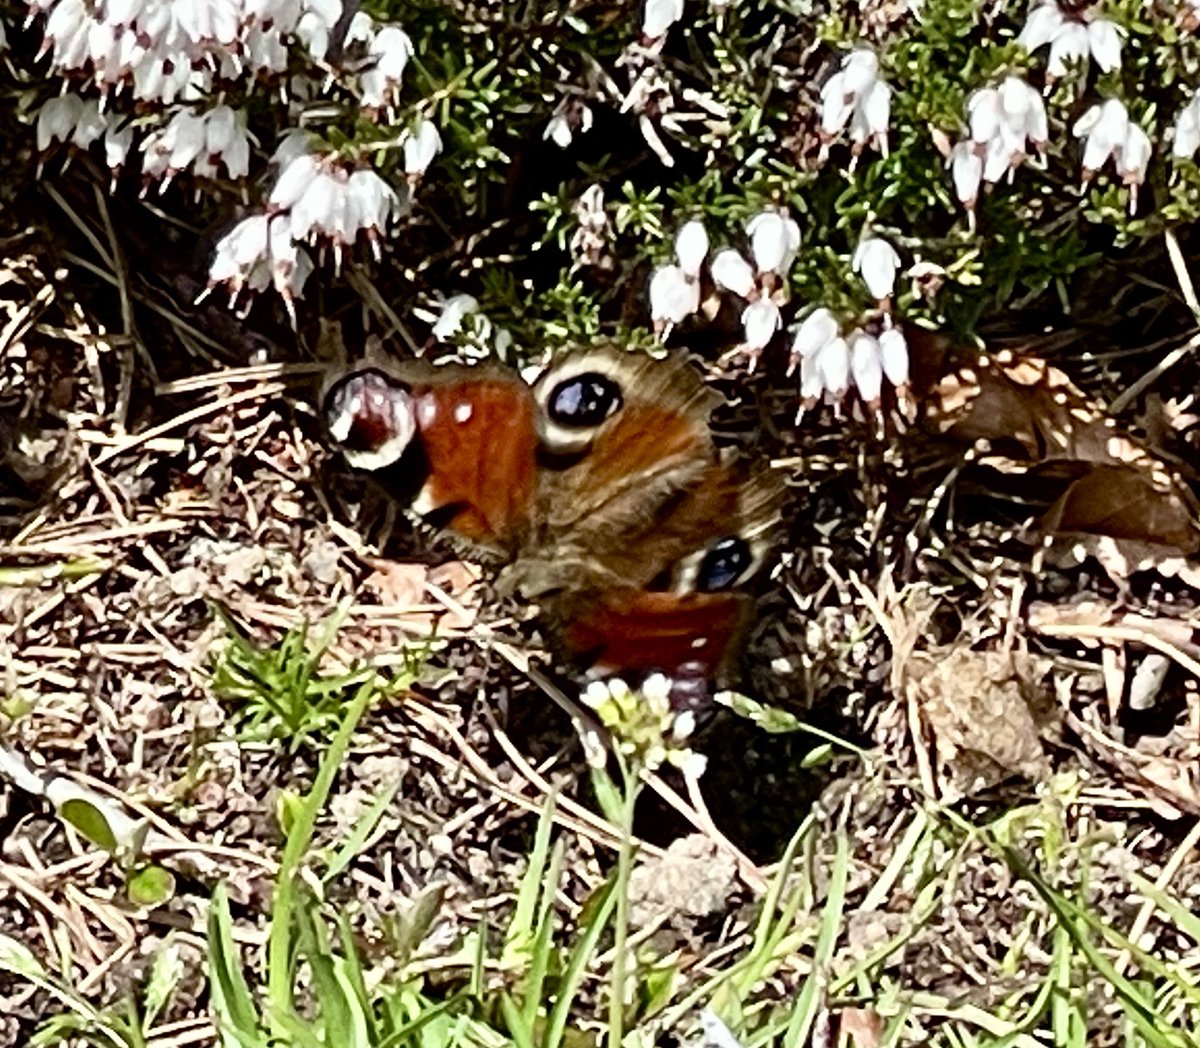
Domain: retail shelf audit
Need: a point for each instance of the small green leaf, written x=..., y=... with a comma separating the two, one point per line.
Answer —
x=150, y=886
x=90, y=821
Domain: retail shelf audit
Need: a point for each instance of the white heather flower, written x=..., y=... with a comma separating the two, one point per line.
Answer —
x=966, y=168
x=691, y=247
x=295, y=177
x=454, y=310
x=818, y=329
x=855, y=95
x=1069, y=46
x=56, y=120
x=659, y=15
x=860, y=69
x=259, y=252
x=986, y=114
x=893, y=354
x=760, y=321
x=812, y=383
x=774, y=241
x=421, y=146
x=732, y=272
x=1103, y=128
x=1133, y=160
x=1104, y=41
x=389, y=51
x=872, y=118
x=372, y=204
x=1187, y=130
x=116, y=148
x=876, y=261
x=833, y=365
x=673, y=297
x=1043, y=24
x=866, y=366
x=1023, y=111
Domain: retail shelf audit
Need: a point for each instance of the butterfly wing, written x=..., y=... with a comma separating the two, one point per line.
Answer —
x=459, y=443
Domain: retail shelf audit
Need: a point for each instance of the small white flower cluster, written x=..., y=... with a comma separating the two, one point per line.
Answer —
x=1109, y=133
x=458, y=319
x=1072, y=38
x=644, y=727
x=675, y=289
x=164, y=51
x=1004, y=122
x=175, y=55
x=317, y=200
x=856, y=95
x=830, y=362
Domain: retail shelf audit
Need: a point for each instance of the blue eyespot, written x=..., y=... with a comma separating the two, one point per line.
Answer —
x=584, y=400
x=725, y=562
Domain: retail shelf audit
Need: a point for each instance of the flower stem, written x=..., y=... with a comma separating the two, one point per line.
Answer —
x=616, y=1003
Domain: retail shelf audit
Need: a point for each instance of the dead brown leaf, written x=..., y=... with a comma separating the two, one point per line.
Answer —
x=977, y=706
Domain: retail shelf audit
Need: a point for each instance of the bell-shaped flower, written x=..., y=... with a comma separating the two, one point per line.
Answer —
x=817, y=329
x=1041, y=26
x=856, y=95
x=866, y=366
x=833, y=365
x=731, y=272
x=1187, y=130
x=1133, y=161
x=876, y=261
x=860, y=68
x=1103, y=128
x=966, y=169
x=1104, y=41
x=774, y=241
x=56, y=120
x=420, y=147
x=760, y=321
x=658, y=16
x=389, y=51
x=893, y=355
x=691, y=247
x=673, y=297
x=1069, y=47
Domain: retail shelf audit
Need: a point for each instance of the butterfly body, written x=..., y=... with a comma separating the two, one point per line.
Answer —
x=598, y=488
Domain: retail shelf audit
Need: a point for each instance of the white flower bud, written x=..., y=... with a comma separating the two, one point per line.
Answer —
x=966, y=168
x=833, y=364
x=1187, y=130
x=659, y=15
x=819, y=328
x=860, y=68
x=893, y=354
x=673, y=298
x=1104, y=41
x=1042, y=25
x=691, y=247
x=876, y=261
x=1069, y=46
x=760, y=321
x=774, y=241
x=421, y=146
x=866, y=366
x=733, y=273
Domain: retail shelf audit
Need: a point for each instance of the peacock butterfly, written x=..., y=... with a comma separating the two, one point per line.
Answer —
x=597, y=488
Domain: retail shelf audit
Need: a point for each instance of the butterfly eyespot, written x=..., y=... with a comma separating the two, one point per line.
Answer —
x=725, y=562
x=583, y=401
x=369, y=418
